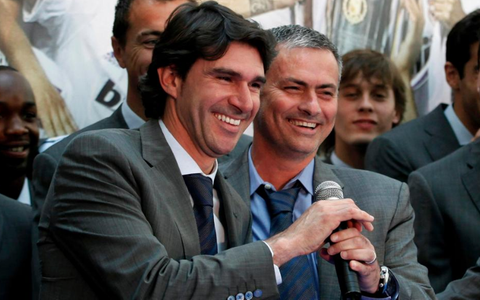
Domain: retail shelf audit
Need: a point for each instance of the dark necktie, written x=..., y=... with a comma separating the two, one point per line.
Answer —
x=201, y=190
x=297, y=274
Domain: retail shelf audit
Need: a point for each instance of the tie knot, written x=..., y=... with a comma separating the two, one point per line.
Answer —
x=200, y=188
x=281, y=201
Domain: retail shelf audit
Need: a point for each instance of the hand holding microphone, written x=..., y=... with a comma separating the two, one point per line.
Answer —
x=349, y=239
x=310, y=232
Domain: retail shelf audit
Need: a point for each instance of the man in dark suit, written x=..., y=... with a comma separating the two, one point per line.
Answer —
x=466, y=288
x=419, y=142
x=15, y=250
x=123, y=219
x=446, y=199
x=297, y=111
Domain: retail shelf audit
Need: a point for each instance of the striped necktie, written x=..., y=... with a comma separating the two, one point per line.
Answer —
x=201, y=190
x=297, y=274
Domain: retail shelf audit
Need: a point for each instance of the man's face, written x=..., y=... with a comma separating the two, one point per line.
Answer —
x=468, y=88
x=18, y=123
x=214, y=104
x=299, y=102
x=366, y=109
x=147, y=20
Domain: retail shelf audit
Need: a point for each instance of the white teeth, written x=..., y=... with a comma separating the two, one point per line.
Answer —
x=228, y=120
x=17, y=149
x=303, y=124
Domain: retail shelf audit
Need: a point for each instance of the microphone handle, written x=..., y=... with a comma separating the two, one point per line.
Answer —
x=347, y=278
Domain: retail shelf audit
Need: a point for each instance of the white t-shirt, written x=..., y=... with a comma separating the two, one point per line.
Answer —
x=75, y=35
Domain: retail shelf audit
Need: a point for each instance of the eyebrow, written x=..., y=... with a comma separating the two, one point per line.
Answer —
x=150, y=32
x=26, y=105
x=232, y=73
x=303, y=83
x=30, y=104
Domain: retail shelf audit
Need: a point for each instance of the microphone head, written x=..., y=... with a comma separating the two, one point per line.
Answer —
x=328, y=190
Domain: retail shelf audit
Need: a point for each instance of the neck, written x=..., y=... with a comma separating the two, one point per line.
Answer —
x=12, y=188
x=352, y=155
x=275, y=167
x=461, y=112
x=134, y=101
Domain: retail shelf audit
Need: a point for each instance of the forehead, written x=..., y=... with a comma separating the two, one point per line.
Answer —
x=314, y=66
x=240, y=59
x=361, y=81
x=150, y=14
x=14, y=85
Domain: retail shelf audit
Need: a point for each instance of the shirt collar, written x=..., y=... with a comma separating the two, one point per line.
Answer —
x=305, y=177
x=461, y=132
x=24, y=196
x=131, y=118
x=184, y=161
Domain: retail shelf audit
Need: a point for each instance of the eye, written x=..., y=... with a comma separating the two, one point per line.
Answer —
x=30, y=116
x=350, y=95
x=225, y=78
x=150, y=43
x=257, y=85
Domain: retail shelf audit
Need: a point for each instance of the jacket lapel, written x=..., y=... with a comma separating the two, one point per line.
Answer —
x=442, y=139
x=171, y=187
x=237, y=174
x=231, y=211
x=471, y=179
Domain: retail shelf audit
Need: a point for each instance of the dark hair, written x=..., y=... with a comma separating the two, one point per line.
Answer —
x=296, y=36
x=371, y=65
x=460, y=39
x=198, y=31
x=121, y=22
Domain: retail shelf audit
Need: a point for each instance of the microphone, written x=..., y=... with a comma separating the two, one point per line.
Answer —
x=347, y=278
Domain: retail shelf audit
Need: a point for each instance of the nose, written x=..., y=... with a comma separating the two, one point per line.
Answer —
x=365, y=104
x=244, y=98
x=310, y=104
x=16, y=126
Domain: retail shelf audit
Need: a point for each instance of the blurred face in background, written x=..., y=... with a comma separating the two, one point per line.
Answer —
x=366, y=109
x=19, y=131
x=147, y=20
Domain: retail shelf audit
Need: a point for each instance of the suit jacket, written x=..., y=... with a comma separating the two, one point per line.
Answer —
x=446, y=199
x=45, y=163
x=15, y=250
x=118, y=224
x=386, y=200
x=412, y=145
x=467, y=288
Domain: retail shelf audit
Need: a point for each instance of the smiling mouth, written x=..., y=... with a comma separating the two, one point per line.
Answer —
x=303, y=124
x=227, y=120
x=14, y=149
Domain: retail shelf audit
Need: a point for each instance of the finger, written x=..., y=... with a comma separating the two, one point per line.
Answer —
x=368, y=226
x=359, y=255
x=324, y=254
x=362, y=268
x=345, y=234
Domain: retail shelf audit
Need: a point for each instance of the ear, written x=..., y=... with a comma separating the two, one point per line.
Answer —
x=396, y=118
x=169, y=80
x=452, y=75
x=118, y=52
